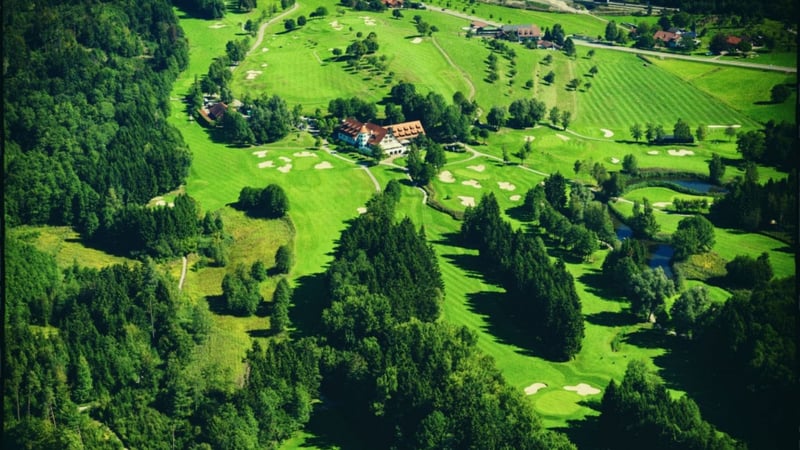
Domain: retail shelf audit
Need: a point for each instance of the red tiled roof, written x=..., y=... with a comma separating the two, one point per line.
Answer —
x=353, y=128
x=733, y=40
x=393, y=3
x=478, y=24
x=664, y=36
x=407, y=130
x=216, y=111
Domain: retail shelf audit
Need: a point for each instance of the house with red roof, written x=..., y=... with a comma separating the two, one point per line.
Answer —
x=391, y=139
x=733, y=41
x=667, y=38
x=521, y=33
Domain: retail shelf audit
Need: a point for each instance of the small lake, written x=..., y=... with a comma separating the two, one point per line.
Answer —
x=661, y=257
x=623, y=231
x=699, y=186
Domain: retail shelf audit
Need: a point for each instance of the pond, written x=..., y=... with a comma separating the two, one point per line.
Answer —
x=699, y=186
x=660, y=257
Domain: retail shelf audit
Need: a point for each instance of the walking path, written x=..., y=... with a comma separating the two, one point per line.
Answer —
x=183, y=273
x=263, y=27
x=464, y=74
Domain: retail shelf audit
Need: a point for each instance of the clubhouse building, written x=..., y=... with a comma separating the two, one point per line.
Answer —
x=391, y=139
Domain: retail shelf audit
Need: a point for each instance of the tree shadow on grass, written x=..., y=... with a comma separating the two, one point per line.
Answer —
x=650, y=338
x=585, y=433
x=330, y=428
x=309, y=299
x=216, y=304
x=501, y=322
x=596, y=284
x=611, y=319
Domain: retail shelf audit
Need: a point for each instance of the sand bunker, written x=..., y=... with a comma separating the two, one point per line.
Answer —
x=161, y=203
x=285, y=159
x=362, y=210
x=681, y=152
x=266, y=164
x=324, y=165
x=661, y=204
x=368, y=21
x=473, y=183
x=478, y=168
x=265, y=49
x=614, y=160
x=260, y=153
x=416, y=40
x=286, y=168
x=515, y=198
x=724, y=126
x=529, y=138
x=252, y=74
x=562, y=137
x=652, y=152
x=305, y=154
x=446, y=177
x=607, y=133
x=467, y=201
x=217, y=25
x=583, y=389
x=336, y=26
x=264, y=65
x=506, y=186
x=534, y=388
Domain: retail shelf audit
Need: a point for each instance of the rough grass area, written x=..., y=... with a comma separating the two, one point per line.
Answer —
x=702, y=267
x=66, y=246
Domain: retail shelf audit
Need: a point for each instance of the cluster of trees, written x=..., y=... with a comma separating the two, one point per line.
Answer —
x=269, y=119
x=541, y=293
x=752, y=206
x=625, y=270
x=240, y=289
x=270, y=202
x=209, y=9
x=443, y=122
x=640, y=413
x=746, y=272
x=656, y=133
x=342, y=108
x=615, y=34
x=643, y=221
x=358, y=49
x=363, y=5
x=424, y=28
x=160, y=231
x=683, y=205
x=694, y=235
x=423, y=171
x=773, y=146
x=77, y=127
x=394, y=364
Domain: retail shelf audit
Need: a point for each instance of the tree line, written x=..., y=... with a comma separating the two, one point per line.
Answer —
x=540, y=293
x=85, y=92
x=394, y=365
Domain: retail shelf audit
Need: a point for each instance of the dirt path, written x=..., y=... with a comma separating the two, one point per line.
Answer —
x=372, y=177
x=183, y=273
x=496, y=158
x=263, y=27
x=463, y=73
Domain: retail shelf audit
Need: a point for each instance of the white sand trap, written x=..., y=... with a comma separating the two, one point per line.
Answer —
x=265, y=49
x=285, y=159
x=253, y=74
x=447, y=177
x=478, y=168
x=286, y=168
x=534, y=388
x=607, y=133
x=264, y=65
x=724, y=126
x=515, y=198
x=562, y=137
x=305, y=154
x=529, y=138
x=652, y=152
x=171, y=204
x=661, y=204
x=614, y=160
x=217, y=25
x=467, y=201
x=161, y=203
x=506, y=186
x=265, y=164
x=361, y=210
x=260, y=153
x=368, y=21
x=681, y=152
x=336, y=26
x=416, y=40
x=583, y=389
x=473, y=183
x=324, y=165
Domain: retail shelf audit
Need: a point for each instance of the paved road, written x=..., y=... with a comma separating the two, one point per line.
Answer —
x=633, y=50
x=263, y=27
x=743, y=64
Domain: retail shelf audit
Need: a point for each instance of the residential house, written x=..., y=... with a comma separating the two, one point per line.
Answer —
x=392, y=139
x=392, y=3
x=666, y=38
x=211, y=113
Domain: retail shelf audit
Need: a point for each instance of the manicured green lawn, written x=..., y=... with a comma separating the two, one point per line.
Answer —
x=747, y=91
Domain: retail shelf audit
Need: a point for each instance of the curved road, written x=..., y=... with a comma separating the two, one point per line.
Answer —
x=464, y=74
x=183, y=274
x=263, y=27
x=634, y=50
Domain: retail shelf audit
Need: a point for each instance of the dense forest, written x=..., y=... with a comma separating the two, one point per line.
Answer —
x=85, y=95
